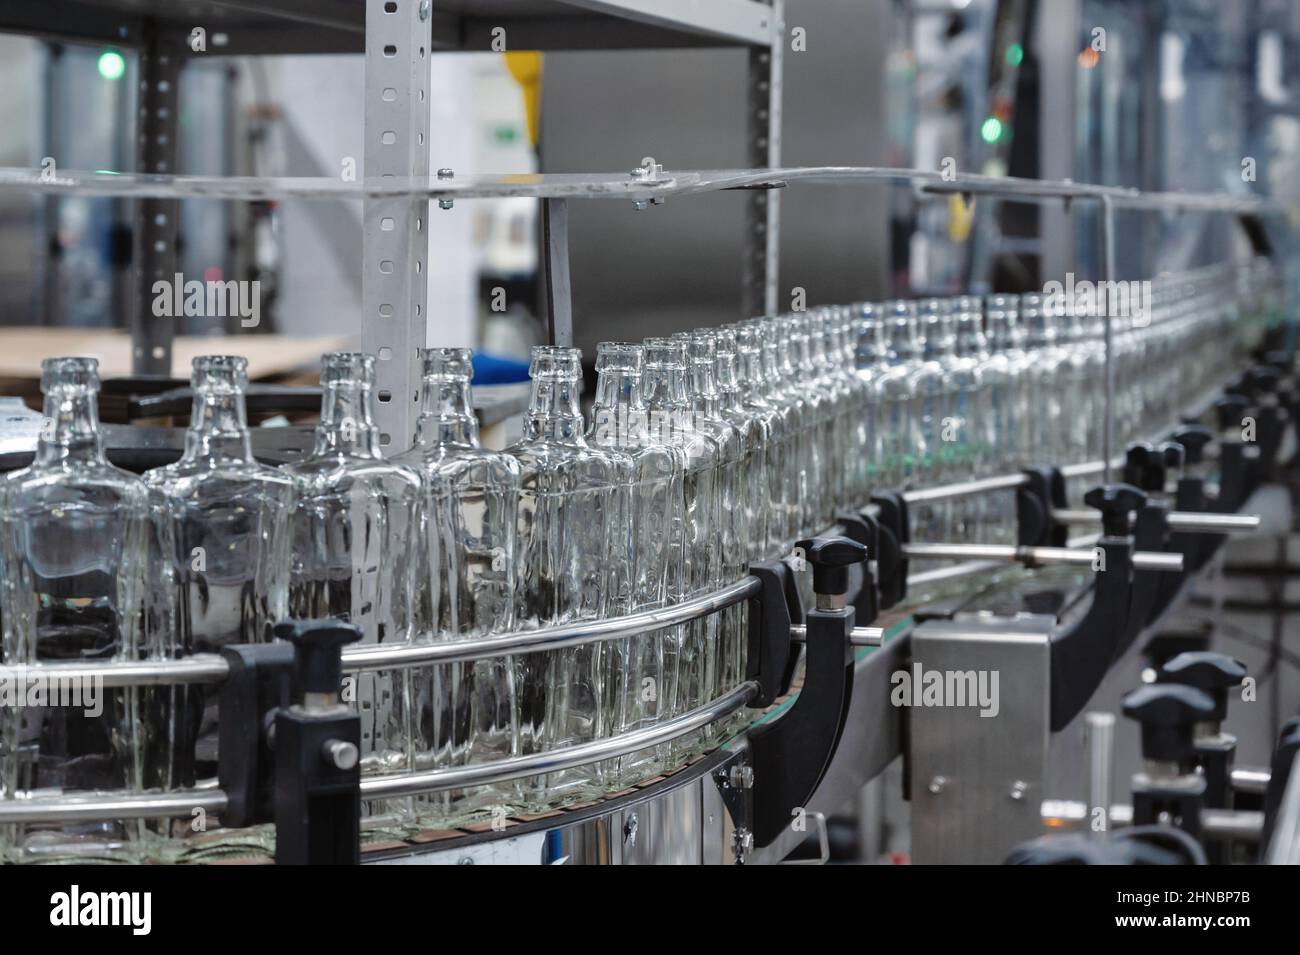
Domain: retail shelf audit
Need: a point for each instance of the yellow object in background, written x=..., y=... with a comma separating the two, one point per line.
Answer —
x=526, y=68
x=961, y=215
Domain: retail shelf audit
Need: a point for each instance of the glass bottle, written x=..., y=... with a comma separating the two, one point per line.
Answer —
x=723, y=631
x=1046, y=416
x=1001, y=373
x=799, y=447
x=571, y=559
x=807, y=375
x=226, y=548
x=869, y=357
x=754, y=389
x=893, y=391
x=74, y=535
x=634, y=666
x=354, y=533
x=465, y=712
x=970, y=453
x=672, y=419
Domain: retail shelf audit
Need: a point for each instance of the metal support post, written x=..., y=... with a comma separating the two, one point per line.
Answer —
x=763, y=215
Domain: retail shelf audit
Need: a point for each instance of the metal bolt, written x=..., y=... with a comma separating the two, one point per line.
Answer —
x=341, y=754
x=629, y=830
x=640, y=205
x=445, y=203
x=425, y=8
x=445, y=173
x=465, y=860
x=741, y=777
x=1018, y=790
x=744, y=839
x=937, y=784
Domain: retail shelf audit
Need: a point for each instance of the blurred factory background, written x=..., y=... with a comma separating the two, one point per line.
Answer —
x=1095, y=90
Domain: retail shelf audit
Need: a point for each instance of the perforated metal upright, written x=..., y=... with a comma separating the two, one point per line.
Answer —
x=763, y=216
x=394, y=280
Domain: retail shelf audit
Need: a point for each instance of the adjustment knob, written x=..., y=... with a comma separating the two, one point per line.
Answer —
x=1137, y=465
x=1168, y=713
x=1212, y=673
x=1229, y=411
x=1116, y=502
x=318, y=651
x=831, y=558
x=1172, y=455
x=1193, y=438
x=1262, y=379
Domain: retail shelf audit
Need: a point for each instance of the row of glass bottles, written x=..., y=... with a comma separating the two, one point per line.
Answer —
x=704, y=451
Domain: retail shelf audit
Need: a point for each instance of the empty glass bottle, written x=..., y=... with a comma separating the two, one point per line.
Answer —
x=225, y=552
x=893, y=390
x=785, y=395
x=465, y=585
x=354, y=532
x=571, y=558
x=634, y=666
x=74, y=536
x=870, y=355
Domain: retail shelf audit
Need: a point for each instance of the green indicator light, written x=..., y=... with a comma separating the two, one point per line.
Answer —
x=111, y=65
x=1015, y=55
x=991, y=129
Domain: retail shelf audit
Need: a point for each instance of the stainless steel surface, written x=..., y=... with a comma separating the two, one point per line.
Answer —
x=1142, y=560
x=357, y=659
x=1101, y=766
x=1108, y=275
x=682, y=822
x=766, y=68
x=993, y=766
x=199, y=668
x=440, y=780
x=1232, y=824
x=103, y=807
x=1284, y=844
x=1177, y=521
x=860, y=637
x=596, y=186
x=965, y=488
x=394, y=281
x=1250, y=779
x=559, y=291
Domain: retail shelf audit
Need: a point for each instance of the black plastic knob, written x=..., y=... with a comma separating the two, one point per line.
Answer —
x=1213, y=673
x=1262, y=379
x=1172, y=455
x=831, y=558
x=318, y=651
x=1116, y=502
x=1193, y=438
x=1229, y=411
x=1138, y=464
x=1168, y=713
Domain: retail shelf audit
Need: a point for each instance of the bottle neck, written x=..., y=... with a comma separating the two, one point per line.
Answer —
x=446, y=412
x=70, y=431
x=753, y=378
x=618, y=410
x=553, y=412
x=346, y=425
x=218, y=426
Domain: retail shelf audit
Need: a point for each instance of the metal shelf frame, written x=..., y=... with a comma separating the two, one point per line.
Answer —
x=397, y=37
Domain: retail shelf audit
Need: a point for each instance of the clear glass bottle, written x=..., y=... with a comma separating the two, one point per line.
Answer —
x=465, y=585
x=634, y=666
x=672, y=418
x=869, y=357
x=74, y=536
x=785, y=393
x=354, y=551
x=807, y=375
x=225, y=547
x=970, y=453
x=1046, y=416
x=755, y=394
x=893, y=391
x=724, y=630
x=571, y=562
x=1001, y=373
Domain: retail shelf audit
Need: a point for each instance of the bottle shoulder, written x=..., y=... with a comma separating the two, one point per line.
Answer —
x=336, y=472
x=220, y=478
x=100, y=486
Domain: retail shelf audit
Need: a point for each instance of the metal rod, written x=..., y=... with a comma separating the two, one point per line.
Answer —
x=1284, y=844
x=1250, y=779
x=439, y=780
x=860, y=637
x=199, y=668
x=1142, y=560
x=357, y=659
x=1101, y=766
x=105, y=807
x=942, y=492
x=1232, y=824
x=1193, y=521
x=1108, y=275
x=559, y=295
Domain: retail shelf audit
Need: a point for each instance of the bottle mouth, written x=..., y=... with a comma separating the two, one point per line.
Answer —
x=447, y=362
x=347, y=366
x=220, y=373
x=664, y=352
x=555, y=361
x=620, y=356
x=70, y=374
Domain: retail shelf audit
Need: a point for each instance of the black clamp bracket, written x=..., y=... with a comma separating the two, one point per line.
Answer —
x=894, y=530
x=1035, y=501
x=771, y=613
x=792, y=753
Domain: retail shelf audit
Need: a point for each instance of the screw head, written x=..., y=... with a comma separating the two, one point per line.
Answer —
x=1018, y=790
x=341, y=754
x=937, y=784
x=425, y=9
x=445, y=173
x=741, y=777
x=445, y=203
x=629, y=830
